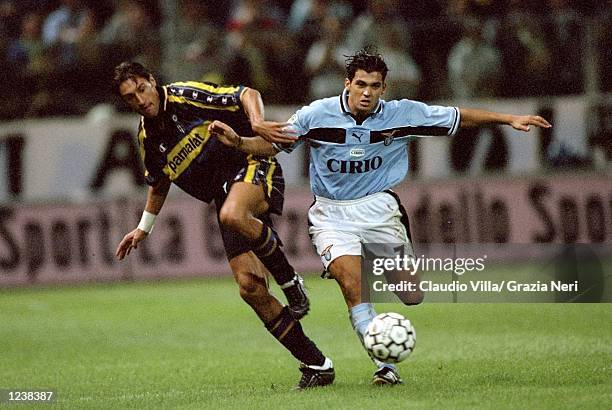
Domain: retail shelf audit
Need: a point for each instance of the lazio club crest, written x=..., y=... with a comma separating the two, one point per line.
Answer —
x=326, y=254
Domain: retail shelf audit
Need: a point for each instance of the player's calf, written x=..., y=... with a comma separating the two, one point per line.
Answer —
x=268, y=249
x=295, y=292
x=290, y=334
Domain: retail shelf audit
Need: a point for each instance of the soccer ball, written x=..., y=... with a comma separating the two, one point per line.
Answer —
x=390, y=338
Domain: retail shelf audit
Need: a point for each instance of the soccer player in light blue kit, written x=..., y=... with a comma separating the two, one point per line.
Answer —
x=357, y=154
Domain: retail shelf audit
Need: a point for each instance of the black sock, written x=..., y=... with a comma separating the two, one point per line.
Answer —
x=289, y=332
x=267, y=248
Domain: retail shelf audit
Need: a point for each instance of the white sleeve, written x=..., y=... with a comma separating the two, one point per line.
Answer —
x=440, y=120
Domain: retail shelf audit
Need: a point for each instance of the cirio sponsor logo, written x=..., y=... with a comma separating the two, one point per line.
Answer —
x=354, y=167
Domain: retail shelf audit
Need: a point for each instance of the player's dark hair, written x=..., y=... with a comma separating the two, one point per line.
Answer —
x=367, y=60
x=129, y=70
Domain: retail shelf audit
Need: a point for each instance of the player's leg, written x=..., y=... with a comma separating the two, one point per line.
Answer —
x=337, y=234
x=258, y=191
x=346, y=270
x=391, y=227
x=249, y=273
x=397, y=220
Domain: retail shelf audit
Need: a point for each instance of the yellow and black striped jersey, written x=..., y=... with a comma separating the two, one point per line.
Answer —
x=176, y=144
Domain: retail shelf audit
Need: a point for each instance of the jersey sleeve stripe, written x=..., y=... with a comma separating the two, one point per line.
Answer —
x=206, y=87
x=183, y=100
x=380, y=136
x=335, y=135
x=456, y=122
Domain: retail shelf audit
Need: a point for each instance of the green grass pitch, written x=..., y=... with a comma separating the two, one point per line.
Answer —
x=195, y=344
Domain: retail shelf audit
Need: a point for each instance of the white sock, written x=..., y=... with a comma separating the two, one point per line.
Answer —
x=361, y=315
x=325, y=366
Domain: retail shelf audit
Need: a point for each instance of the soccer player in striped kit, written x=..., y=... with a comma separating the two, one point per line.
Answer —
x=176, y=147
x=358, y=152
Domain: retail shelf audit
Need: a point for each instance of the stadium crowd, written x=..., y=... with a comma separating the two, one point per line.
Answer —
x=57, y=56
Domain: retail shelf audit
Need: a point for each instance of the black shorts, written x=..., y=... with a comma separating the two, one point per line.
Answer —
x=264, y=171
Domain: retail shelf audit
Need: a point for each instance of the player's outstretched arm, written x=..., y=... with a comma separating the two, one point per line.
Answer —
x=474, y=118
x=155, y=200
x=269, y=130
x=227, y=135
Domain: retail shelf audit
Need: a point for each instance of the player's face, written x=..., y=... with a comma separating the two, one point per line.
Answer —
x=364, y=91
x=141, y=95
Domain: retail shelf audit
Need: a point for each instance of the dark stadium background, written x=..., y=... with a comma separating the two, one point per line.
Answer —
x=105, y=334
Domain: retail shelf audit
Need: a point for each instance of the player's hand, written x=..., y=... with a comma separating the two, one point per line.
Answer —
x=224, y=133
x=271, y=131
x=522, y=122
x=129, y=242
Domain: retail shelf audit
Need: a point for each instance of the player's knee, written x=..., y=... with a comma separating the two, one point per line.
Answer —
x=414, y=298
x=232, y=216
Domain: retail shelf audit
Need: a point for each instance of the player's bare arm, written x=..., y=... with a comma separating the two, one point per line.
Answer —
x=473, y=118
x=269, y=130
x=253, y=145
x=156, y=196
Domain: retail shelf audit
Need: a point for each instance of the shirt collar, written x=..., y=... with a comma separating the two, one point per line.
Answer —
x=345, y=107
x=163, y=97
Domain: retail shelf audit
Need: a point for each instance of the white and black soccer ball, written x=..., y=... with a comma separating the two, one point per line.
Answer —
x=390, y=338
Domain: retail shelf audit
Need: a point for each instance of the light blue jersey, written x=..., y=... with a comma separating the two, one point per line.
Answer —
x=349, y=160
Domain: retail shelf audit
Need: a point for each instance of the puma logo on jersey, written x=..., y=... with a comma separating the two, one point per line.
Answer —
x=358, y=136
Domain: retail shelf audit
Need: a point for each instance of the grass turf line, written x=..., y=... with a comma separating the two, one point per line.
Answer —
x=195, y=344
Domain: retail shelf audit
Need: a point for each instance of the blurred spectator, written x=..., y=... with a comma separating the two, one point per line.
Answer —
x=196, y=45
x=488, y=12
x=245, y=61
x=272, y=43
x=526, y=59
x=258, y=45
x=564, y=36
x=369, y=26
x=25, y=54
x=132, y=34
x=433, y=31
x=404, y=78
x=25, y=59
x=325, y=60
x=64, y=27
x=285, y=64
x=474, y=66
x=600, y=134
x=9, y=22
x=263, y=14
x=9, y=30
x=603, y=36
x=70, y=61
x=306, y=17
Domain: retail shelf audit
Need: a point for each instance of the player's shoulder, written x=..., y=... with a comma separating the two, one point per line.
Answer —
x=323, y=106
x=403, y=105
